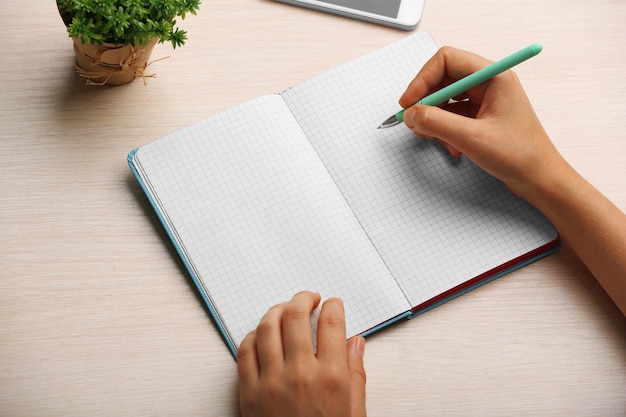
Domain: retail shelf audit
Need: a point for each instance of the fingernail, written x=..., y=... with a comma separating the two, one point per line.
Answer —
x=359, y=346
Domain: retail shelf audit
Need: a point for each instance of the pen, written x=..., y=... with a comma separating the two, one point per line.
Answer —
x=468, y=82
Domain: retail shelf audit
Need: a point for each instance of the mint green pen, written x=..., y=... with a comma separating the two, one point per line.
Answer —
x=468, y=82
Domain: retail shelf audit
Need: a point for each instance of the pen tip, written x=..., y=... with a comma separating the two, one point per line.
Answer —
x=391, y=121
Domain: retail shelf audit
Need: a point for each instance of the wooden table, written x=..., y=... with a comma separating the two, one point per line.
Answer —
x=99, y=318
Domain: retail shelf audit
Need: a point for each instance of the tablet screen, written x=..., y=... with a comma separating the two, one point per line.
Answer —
x=387, y=8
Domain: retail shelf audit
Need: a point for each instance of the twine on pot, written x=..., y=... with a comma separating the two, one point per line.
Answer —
x=125, y=63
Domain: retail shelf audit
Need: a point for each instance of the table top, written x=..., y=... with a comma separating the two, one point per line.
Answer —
x=97, y=314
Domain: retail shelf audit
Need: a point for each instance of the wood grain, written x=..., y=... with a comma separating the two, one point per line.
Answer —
x=97, y=316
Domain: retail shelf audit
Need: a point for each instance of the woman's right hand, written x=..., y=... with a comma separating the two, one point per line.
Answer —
x=493, y=124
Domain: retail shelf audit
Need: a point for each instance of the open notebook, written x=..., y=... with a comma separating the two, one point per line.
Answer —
x=301, y=191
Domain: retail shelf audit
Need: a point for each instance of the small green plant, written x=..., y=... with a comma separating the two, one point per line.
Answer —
x=127, y=22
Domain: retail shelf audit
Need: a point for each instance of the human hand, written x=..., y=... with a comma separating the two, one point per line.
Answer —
x=280, y=375
x=493, y=124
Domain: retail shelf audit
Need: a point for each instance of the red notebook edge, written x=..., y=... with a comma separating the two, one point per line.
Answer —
x=482, y=279
x=488, y=276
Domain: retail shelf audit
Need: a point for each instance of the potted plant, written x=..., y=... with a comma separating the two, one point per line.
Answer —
x=113, y=39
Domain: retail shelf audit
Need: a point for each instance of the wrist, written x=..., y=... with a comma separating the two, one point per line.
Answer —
x=548, y=186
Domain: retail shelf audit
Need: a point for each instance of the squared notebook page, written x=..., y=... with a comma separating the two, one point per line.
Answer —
x=258, y=218
x=436, y=221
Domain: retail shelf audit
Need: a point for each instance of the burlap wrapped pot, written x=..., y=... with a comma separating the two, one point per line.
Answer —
x=112, y=64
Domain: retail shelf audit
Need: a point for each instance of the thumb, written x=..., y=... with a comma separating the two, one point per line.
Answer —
x=433, y=122
x=356, y=349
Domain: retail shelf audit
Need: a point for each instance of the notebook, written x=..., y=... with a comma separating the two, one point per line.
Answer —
x=301, y=191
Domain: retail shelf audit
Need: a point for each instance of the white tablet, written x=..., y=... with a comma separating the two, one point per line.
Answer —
x=401, y=14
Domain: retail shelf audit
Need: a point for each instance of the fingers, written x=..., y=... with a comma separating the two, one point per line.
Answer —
x=356, y=349
x=331, y=331
x=284, y=332
x=447, y=65
x=296, y=324
x=280, y=375
x=247, y=364
x=269, y=344
x=454, y=130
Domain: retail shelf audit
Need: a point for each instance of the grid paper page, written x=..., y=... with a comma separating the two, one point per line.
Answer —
x=436, y=221
x=259, y=218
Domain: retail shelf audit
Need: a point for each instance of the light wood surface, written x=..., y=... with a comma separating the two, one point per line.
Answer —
x=99, y=318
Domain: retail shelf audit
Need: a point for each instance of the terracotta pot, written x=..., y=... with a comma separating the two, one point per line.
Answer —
x=112, y=64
